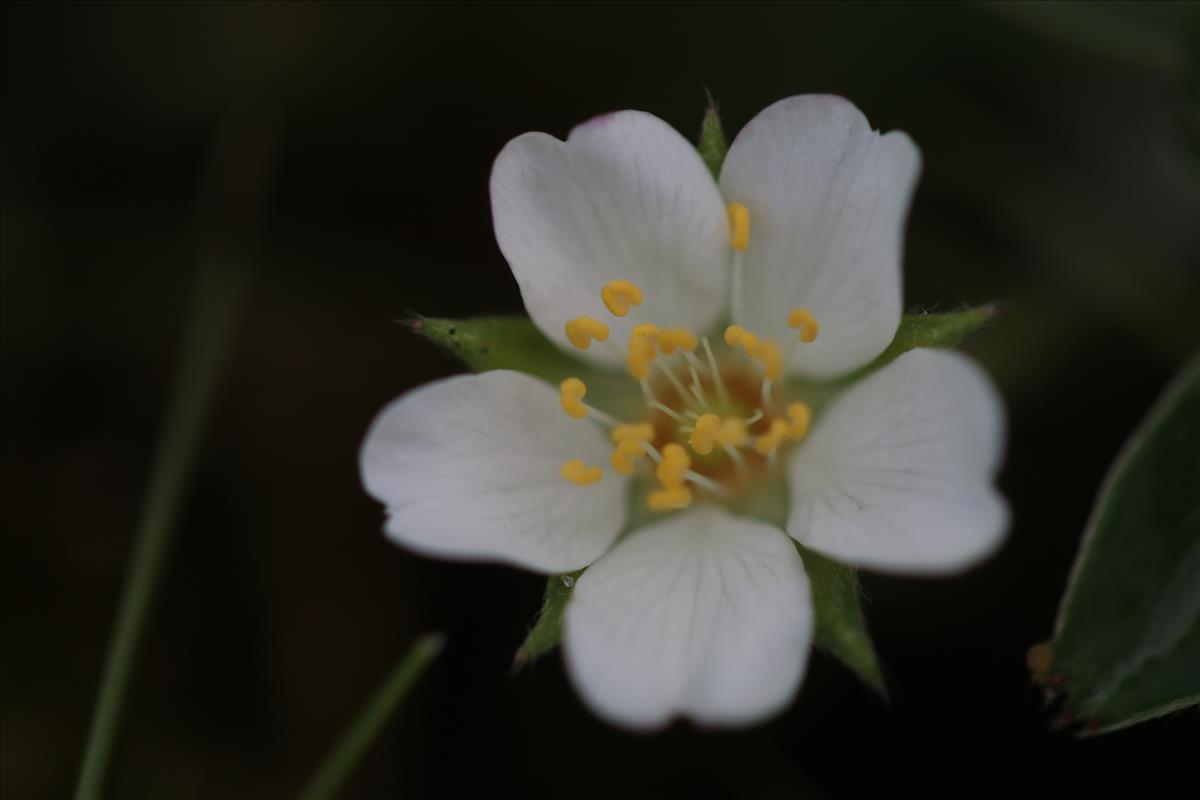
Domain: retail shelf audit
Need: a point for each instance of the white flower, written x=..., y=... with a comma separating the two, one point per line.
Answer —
x=701, y=613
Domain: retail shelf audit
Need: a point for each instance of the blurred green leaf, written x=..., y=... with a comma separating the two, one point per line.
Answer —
x=712, y=144
x=487, y=343
x=841, y=628
x=1127, y=643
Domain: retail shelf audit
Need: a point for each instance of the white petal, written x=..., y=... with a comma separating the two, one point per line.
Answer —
x=828, y=198
x=625, y=197
x=705, y=615
x=468, y=468
x=897, y=473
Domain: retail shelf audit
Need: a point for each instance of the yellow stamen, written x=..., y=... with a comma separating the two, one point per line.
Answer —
x=570, y=395
x=675, y=462
x=739, y=226
x=674, y=339
x=733, y=335
x=626, y=454
x=769, y=442
x=618, y=296
x=645, y=331
x=641, y=432
x=768, y=353
x=803, y=320
x=704, y=433
x=666, y=499
x=641, y=354
x=671, y=497
x=750, y=343
x=579, y=473
x=801, y=417
x=732, y=432
x=582, y=330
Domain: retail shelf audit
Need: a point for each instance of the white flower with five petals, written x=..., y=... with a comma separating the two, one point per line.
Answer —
x=702, y=612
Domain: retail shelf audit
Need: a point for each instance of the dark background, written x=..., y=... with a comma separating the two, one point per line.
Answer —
x=1060, y=179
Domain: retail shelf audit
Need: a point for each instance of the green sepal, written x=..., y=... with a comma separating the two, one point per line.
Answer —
x=841, y=627
x=1126, y=645
x=712, y=145
x=926, y=330
x=547, y=630
x=915, y=330
x=487, y=343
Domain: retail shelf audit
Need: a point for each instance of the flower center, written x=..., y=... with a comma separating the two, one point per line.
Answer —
x=715, y=421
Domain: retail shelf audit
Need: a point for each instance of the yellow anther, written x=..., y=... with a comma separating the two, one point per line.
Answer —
x=641, y=354
x=732, y=432
x=671, y=497
x=674, y=452
x=734, y=334
x=641, y=432
x=674, y=339
x=803, y=320
x=768, y=353
x=580, y=473
x=739, y=226
x=770, y=441
x=626, y=454
x=704, y=433
x=570, y=395
x=618, y=296
x=645, y=331
x=750, y=343
x=582, y=330
x=801, y=416
x=675, y=462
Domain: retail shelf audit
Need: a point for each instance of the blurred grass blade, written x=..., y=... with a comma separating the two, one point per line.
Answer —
x=215, y=299
x=357, y=739
x=1127, y=643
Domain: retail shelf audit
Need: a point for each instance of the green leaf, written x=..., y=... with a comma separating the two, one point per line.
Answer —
x=712, y=144
x=487, y=343
x=1126, y=645
x=841, y=629
x=547, y=631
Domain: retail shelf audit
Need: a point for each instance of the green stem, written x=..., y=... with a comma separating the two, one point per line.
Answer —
x=362, y=732
x=215, y=297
